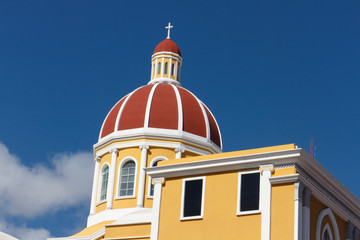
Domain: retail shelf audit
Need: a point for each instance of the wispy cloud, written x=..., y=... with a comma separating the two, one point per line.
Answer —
x=23, y=232
x=31, y=192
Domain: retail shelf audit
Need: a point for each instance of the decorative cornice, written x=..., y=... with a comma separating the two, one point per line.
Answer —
x=284, y=179
x=180, y=149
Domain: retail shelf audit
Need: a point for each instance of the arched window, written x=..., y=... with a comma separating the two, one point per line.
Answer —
x=326, y=235
x=153, y=70
x=166, y=68
x=127, y=179
x=172, y=69
x=151, y=193
x=159, y=68
x=104, y=183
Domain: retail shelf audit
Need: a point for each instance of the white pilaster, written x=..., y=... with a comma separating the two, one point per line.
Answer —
x=179, y=152
x=306, y=213
x=265, y=200
x=298, y=211
x=158, y=182
x=141, y=190
x=94, y=187
x=111, y=181
x=349, y=231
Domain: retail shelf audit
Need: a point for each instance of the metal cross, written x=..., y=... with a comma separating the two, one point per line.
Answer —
x=168, y=28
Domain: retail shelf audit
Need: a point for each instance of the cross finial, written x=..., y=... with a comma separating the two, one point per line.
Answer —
x=168, y=28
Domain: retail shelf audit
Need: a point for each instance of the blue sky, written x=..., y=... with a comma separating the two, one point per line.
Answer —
x=272, y=72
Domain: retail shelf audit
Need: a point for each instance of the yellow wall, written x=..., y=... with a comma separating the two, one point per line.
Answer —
x=282, y=211
x=128, y=231
x=220, y=208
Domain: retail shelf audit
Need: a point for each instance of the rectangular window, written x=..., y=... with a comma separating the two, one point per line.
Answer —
x=249, y=192
x=192, y=206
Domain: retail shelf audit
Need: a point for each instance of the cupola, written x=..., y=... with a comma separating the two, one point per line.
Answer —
x=166, y=62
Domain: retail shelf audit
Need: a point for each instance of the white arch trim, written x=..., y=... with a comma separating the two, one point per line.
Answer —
x=328, y=229
x=156, y=159
x=100, y=183
x=122, y=163
x=323, y=213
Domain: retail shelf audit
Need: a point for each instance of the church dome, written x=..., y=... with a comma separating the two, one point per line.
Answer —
x=167, y=45
x=162, y=110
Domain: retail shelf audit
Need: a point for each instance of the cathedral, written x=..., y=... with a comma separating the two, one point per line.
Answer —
x=160, y=174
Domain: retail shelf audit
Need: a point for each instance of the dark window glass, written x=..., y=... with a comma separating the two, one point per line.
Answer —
x=192, y=198
x=127, y=179
x=159, y=68
x=250, y=186
x=326, y=235
x=166, y=68
x=172, y=69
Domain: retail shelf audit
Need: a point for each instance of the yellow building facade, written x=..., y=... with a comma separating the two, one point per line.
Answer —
x=160, y=174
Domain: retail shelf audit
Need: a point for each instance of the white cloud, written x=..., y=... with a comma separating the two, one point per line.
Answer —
x=24, y=233
x=30, y=192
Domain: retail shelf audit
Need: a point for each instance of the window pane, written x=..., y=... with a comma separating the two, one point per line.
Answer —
x=127, y=179
x=192, y=198
x=250, y=187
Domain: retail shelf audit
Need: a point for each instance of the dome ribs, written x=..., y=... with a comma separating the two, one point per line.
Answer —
x=164, y=109
x=109, y=124
x=193, y=118
x=134, y=111
x=214, y=131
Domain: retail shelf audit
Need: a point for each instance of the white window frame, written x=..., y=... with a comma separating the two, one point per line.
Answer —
x=203, y=178
x=156, y=159
x=122, y=163
x=98, y=201
x=238, y=211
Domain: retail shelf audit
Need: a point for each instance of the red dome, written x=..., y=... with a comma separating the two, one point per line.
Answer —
x=162, y=110
x=167, y=45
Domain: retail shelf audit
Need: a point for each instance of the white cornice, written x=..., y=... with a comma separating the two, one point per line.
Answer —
x=224, y=164
x=157, y=133
x=322, y=184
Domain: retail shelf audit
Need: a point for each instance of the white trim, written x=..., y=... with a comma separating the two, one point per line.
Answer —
x=159, y=133
x=298, y=218
x=148, y=106
x=174, y=55
x=156, y=159
x=217, y=125
x=102, y=126
x=98, y=201
x=322, y=214
x=153, y=143
x=180, y=109
x=221, y=164
x=141, y=190
x=122, y=163
x=116, y=126
x=93, y=236
x=306, y=213
x=182, y=217
x=95, y=186
x=111, y=182
x=328, y=229
x=238, y=210
x=158, y=182
x=265, y=200
x=284, y=179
